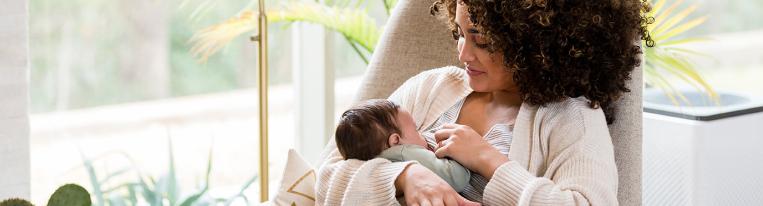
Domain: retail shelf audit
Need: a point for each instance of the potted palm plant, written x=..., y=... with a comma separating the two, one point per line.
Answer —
x=693, y=134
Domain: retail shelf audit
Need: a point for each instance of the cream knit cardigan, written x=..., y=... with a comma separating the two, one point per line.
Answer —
x=561, y=153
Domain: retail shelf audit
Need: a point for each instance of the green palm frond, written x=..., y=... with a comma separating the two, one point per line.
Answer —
x=389, y=4
x=210, y=40
x=667, y=58
x=354, y=24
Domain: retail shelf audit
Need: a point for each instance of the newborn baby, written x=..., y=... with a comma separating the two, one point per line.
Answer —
x=380, y=128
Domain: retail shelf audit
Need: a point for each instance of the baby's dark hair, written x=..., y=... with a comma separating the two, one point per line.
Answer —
x=364, y=129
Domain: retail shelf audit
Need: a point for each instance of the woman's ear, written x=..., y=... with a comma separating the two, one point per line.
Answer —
x=394, y=139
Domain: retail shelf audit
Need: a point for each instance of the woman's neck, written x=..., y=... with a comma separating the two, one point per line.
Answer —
x=504, y=98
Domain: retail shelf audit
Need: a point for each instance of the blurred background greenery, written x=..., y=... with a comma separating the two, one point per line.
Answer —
x=87, y=53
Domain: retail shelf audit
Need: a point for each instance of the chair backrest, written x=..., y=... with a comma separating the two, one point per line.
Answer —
x=414, y=41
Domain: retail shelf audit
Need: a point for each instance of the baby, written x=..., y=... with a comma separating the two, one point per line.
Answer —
x=380, y=128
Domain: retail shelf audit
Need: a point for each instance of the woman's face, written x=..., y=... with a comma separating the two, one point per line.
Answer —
x=487, y=72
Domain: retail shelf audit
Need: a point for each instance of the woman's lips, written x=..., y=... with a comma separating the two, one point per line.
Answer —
x=473, y=72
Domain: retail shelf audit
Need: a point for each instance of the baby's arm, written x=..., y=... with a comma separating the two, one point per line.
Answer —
x=449, y=170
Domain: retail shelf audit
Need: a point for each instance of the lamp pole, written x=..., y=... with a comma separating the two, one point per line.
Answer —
x=262, y=58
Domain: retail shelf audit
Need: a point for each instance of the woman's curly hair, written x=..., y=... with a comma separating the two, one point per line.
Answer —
x=562, y=48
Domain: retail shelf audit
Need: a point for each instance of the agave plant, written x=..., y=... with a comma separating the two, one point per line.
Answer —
x=664, y=56
x=148, y=190
x=345, y=17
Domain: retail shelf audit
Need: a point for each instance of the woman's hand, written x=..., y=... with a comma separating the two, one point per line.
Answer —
x=422, y=187
x=463, y=144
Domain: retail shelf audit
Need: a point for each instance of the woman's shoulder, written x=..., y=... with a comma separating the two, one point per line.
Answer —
x=575, y=115
x=449, y=80
x=427, y=79
x=446, y=73
x=578, y=108
x=569, y=122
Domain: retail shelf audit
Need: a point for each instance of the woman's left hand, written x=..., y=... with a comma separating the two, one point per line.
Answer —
x=467, y=147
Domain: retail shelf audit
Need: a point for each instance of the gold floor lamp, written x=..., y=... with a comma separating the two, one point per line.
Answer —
x=262, y=66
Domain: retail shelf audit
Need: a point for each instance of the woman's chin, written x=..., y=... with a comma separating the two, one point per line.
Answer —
x=478, y=87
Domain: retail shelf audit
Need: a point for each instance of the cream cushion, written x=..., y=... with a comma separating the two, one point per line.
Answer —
x=297, y=187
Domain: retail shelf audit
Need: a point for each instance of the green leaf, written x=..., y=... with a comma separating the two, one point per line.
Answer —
x=355, y=24
x=673, y=19
x=126, y=185
x=70, y=195
x=210, y=40
x=172, y=184
x=389, y=5
x=148, y=192
x=131, y=195
x=683, y=41
x=114, y=174
x=100, y=200
x=661, y=14
x=677, y=52
x=664, y=59
x=679, y=29
x=195, y=197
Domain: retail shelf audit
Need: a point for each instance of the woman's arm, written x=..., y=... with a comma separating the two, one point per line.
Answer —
x=579, y=166
x=355, y=182
x=582, y=173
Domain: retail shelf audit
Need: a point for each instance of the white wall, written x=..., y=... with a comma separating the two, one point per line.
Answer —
x=14, y=124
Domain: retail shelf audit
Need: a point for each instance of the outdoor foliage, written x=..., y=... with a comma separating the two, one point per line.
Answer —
x=665, y=59
x=162, y=191
x=346, y=17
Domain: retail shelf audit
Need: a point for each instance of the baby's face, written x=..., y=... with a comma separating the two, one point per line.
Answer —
x=408, y=129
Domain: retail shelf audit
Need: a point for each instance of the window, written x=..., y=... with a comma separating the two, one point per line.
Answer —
x=113, y=82
x=734, y=61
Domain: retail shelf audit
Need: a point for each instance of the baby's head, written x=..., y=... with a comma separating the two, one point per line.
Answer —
x=367, y=129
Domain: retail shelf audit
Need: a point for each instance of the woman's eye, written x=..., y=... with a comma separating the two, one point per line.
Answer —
x=480, y=42
x=457, y=35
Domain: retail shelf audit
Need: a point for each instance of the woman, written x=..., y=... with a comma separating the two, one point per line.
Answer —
x=528, y=114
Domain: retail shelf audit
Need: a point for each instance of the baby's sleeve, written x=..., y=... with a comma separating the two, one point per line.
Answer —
x=449, y=170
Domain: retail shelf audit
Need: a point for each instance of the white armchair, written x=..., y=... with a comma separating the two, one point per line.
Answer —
x=414, y=41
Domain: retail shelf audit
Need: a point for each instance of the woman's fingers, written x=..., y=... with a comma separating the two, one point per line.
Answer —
x=442, y=152
x=443, y=134
x=464, y=202
x=451, y=200
x=449, y=126
x=425, y=202
x=437, y=201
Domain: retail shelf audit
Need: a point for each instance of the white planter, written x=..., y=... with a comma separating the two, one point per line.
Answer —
x=703, y=155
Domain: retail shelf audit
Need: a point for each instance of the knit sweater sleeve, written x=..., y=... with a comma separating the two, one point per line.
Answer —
x=580, y=166
x=355, y=182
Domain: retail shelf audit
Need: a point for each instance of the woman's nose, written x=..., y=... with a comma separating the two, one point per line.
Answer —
x=465, y=51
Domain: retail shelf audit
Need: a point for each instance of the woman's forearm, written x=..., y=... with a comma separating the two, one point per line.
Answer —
x=489, y=162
